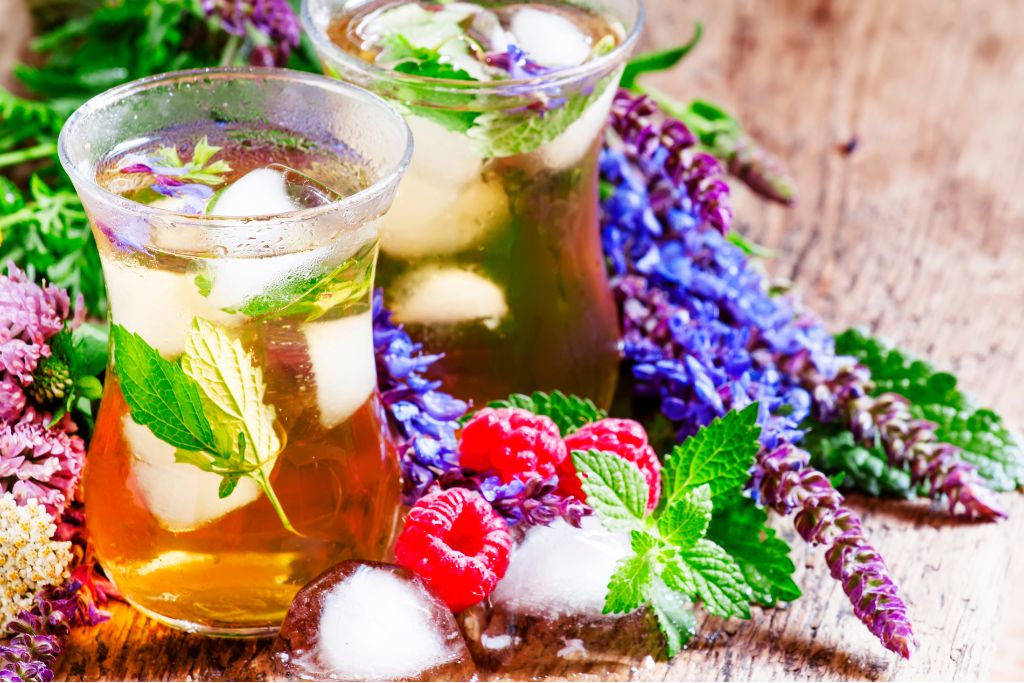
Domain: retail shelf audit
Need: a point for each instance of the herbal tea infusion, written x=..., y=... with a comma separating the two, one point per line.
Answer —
x=240, y=448
x=492, y=248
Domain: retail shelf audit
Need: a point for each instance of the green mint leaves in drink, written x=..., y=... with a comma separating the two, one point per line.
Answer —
x=208, y=404
x=705, y=543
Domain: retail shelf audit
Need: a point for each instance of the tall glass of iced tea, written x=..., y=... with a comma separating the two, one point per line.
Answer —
x=240, y=448
x=492, y=253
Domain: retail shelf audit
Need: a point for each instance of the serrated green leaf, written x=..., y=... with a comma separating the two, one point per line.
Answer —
x=720, y=455
x=505, y=133
x=675, y=618
x=740, y=528
x=627, y=585
x=615, y=488
x=718, y=580
x=159, y=394
x=642, y=542
x=568, y=412
x=684, y=521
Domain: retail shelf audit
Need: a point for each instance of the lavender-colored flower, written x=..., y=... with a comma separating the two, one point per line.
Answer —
x=39, y=633
x=518, y=65
x=783, y=481
x=29, y=316
x=39, y=461
x=273, y=21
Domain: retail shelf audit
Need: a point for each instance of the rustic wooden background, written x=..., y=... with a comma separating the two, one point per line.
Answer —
x=918, y=234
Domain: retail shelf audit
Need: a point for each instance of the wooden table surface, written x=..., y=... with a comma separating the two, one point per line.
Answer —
x=918, y=234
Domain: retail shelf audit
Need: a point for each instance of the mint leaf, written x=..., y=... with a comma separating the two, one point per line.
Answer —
x=615, y=488
x=642, y=542
x=568, y=412
x=986, y=442
x=675, y=618
x=740, y=528
x=627, y=585
x=660, y=60
x=204, y=283
x=717, y=579
x=686, y=519
x=159, y=394
x=720, y=455
x=508, y=133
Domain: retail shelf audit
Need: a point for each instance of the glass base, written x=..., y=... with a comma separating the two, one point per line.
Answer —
x=207, y=630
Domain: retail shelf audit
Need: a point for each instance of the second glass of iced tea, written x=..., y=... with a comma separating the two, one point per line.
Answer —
x=492, y=251
x=240, y=449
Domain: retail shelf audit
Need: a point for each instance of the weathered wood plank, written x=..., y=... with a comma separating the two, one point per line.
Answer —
x=917, y=234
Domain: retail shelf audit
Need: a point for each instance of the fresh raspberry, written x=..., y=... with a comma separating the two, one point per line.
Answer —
x=626, y=439
x=456, y=543
x=514, y=442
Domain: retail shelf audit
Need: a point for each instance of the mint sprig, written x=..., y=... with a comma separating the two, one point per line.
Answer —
x=200, y=168
x=984, y=439
x=705, y=543
x=209, y=405
x=568, y=412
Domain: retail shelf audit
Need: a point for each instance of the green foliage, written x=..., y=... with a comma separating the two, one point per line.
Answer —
x=985, y=440
x=568, y=412
x=660, y=60
x=208, y=405
x=706, y=543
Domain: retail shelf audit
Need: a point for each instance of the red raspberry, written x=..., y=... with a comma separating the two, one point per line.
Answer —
x=514, y=442
x=456, y=543
x=626, y=439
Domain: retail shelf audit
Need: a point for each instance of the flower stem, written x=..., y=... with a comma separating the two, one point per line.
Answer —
x=227, y=57
x=20, y=156
x=264, y=483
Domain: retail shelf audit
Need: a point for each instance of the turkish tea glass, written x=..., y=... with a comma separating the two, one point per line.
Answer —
x=492, y=252
x=270, y=316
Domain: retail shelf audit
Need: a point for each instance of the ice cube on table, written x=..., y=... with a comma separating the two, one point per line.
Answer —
x=180, y=496
x=444, y=295
x=549, y=38
x=341, y=354
x=268, y=191
x=370, y=621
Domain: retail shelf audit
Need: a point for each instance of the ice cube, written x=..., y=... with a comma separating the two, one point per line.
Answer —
x=560, y=570
x=549, y=38
x=443, y=295
x=158, y=305
x=370, y=621
x=569, y=148
x=268, y=191
x=180, y=496
x=341, y=353
x=548, y=607
x=444, y=203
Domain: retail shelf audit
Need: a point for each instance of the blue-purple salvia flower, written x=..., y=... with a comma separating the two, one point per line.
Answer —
x=702, y=332
x=272, y=23
x=38, y=634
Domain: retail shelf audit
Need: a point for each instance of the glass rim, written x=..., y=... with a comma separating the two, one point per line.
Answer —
x=558, y=78
x=389, y=176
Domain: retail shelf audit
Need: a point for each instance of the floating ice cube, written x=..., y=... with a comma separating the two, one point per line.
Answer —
x=269, y=191
x=341, y=353
x=434, y=295
x=549, y=38
x=370, y=621
x=569, y=148
x=182, y=497
x=158, y=305
x=561, y=570
x=444, y=205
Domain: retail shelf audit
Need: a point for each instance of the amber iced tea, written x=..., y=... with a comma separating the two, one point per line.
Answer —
x=240, y=449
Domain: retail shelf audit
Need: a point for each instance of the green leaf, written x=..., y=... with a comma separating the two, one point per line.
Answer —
x=642, y=542
x=675, y=618
x=749, y=246
x=717, y=579
x=627, y=585
x=506, y=133
x=89, y=387
x=740, y=528
x=684, y=521
x=659, y=60
x=90, y=344
x=615, y=488
x=204, y=283
x=159, y=394
x=834, y=450
x=568, y=412
x=720, y=455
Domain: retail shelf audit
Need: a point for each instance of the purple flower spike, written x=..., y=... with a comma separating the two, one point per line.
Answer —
x=274, y=21
x=38, y=635
x=783, y=481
